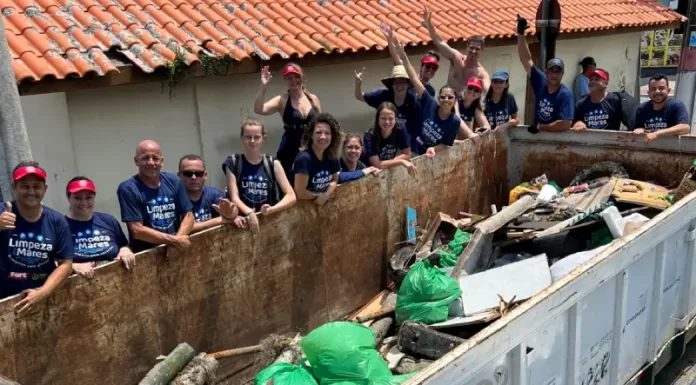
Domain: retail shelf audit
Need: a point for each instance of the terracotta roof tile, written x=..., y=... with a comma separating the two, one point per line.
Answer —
x=71, y=38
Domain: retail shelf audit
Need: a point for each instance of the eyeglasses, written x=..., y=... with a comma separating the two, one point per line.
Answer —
x=189, y=174
x=446, y=97
x=430, y=67
x=253, y=138
x=473, y=89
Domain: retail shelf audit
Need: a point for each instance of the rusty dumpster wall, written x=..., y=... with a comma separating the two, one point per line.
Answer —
x=308, y=266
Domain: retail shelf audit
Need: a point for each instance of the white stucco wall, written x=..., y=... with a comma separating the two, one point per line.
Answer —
x=94, y=132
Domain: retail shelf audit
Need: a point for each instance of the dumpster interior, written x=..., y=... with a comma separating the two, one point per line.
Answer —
x=313, y=298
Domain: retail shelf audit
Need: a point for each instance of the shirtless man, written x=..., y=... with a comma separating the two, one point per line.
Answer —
x=462, y=67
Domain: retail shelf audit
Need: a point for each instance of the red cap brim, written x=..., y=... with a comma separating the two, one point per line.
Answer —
x=81, y=185
x=474, y=82
x=430, y=60
x=291, y=70
x=26, y=171
x=602, y=74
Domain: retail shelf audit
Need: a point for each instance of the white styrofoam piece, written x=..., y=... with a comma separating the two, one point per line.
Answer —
x=462, y=321
x=520, y=280
x=569, y=263
x=394, y=357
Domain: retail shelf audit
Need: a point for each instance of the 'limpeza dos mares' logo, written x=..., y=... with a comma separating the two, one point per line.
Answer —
x=29, y=249
x=162, y=212
x=92, y=243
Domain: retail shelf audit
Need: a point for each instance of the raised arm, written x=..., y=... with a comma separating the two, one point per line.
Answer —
x=359, y=95
x=272, y=106
x=399, y=49
x=444, y=48
x=522, y=47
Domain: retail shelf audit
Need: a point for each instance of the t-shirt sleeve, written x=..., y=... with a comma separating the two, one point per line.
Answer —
x=64, y=242
x=512, y=105
x=216, y=195
x=427, y=105
x=376, y=97
x=678, y=114
x=640, y=119
x=121, y=240
x=537, y=78
x=578, y=112
x=368, y=140
x=129, y=199
x=584, y=86
x=349, y=176
x=335, y=166
x=301, y=165
x=566, y=105
x=452, y=134
x=402, y=140
x=183, y=203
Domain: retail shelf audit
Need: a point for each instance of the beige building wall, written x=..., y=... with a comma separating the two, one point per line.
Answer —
x=94, y=132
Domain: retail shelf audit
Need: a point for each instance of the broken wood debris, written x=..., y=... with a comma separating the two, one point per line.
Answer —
x=167, y=369
x=200, y=371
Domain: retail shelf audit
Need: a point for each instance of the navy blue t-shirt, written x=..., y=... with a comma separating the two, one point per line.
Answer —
x=389, y=148
x=28, y=253
x=98, y=239
x=501, y=112
x=161, y=209
x=253, y=185
x=605, y=115
x=320, y=172
x=430, y=89
x=467, y=114
x=347, y=175
x=550, y=107
x=435, y=130
x=203, y=209
x=672, y=113
x=407, y=114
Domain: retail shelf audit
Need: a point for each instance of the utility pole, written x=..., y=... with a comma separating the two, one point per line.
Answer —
x=686, y=77
x=13, y=130
x=548, y=23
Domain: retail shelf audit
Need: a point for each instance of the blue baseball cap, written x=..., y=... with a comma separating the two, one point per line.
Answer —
x=555, y=62
x=500, y=75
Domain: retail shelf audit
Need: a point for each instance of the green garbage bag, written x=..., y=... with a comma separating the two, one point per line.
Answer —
x=455, y=247
x=425, y=294
x=285, y=374
x=344, y=352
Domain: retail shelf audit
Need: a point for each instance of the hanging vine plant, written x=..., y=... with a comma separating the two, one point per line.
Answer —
x=176, y=70
x=216, y=65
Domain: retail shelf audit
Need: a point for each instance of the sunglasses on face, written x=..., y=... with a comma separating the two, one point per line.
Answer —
x=430, y=67
x=189, y=174
x=446, y=97
x=473, y=89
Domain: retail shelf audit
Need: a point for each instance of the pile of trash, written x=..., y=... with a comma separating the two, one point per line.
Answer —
x=461, y=275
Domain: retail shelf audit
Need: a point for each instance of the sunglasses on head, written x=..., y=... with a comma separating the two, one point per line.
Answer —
x=189, y=174
x=446, y=97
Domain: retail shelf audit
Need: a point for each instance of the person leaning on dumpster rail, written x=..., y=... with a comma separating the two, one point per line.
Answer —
x=501, y=107
x=36, y=250
x=386, y=143
x=470, y=108
x=661, y=115
x=210, y=207
x=600, y=110
x=256, y=181
x=97, y=237
x=351, y=167
x=440, y=123
x=297, y=108
x=154, y=204
x=316, y=166
x=553, y=101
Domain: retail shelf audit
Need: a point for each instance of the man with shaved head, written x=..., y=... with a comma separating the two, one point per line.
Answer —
x=154, y=204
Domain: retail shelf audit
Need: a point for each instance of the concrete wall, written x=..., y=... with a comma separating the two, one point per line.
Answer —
x=94, y=132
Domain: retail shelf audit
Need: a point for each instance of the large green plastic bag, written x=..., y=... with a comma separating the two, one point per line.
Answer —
x=344, y=352
x=285, y=374
x=425, y=294
x=455, y=246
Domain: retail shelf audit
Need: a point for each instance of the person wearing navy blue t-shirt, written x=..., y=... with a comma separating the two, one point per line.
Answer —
x=97, y=237
x=470, y=107
x=209, y=206
x=661, y=115
x=553, y=101
x=352, y=168
x=36, y=250
x=440, y=123
x=154, y=204
x=386, y=144
x=397, y=92
x=599, y=110
x=501, y=107
x=316, y=166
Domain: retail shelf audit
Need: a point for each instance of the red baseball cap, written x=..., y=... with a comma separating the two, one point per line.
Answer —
x=26, y=171
x=475, y=82
x=430, y=60
x=601, y=73
x=81, y=185
x=290, y=69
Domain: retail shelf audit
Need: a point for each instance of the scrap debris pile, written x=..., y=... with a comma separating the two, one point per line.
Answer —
x=182, y=367
x=461, y=275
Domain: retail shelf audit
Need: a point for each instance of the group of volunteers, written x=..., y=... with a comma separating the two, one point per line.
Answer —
x=40, y=248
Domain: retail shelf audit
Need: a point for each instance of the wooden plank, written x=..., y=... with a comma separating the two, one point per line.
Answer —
x=308, y=266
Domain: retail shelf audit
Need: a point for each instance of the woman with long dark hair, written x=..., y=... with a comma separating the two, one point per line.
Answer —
x=316, y=166
x=386, y=143
x=297, y=108
x=501, y=107
x=470, y=106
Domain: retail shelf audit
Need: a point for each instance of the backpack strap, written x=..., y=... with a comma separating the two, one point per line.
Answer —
x=269, y=167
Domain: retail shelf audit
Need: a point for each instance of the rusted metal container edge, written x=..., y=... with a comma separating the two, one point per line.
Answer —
x=309, y=265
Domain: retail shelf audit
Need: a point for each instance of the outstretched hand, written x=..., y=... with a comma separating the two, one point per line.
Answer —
x=359, y=75
x=266, y=76
x=522, y=24
x=427, y=16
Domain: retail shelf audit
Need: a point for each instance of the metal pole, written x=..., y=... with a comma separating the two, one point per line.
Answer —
x=13, y=131
x=544, y=32
x=686, y=77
